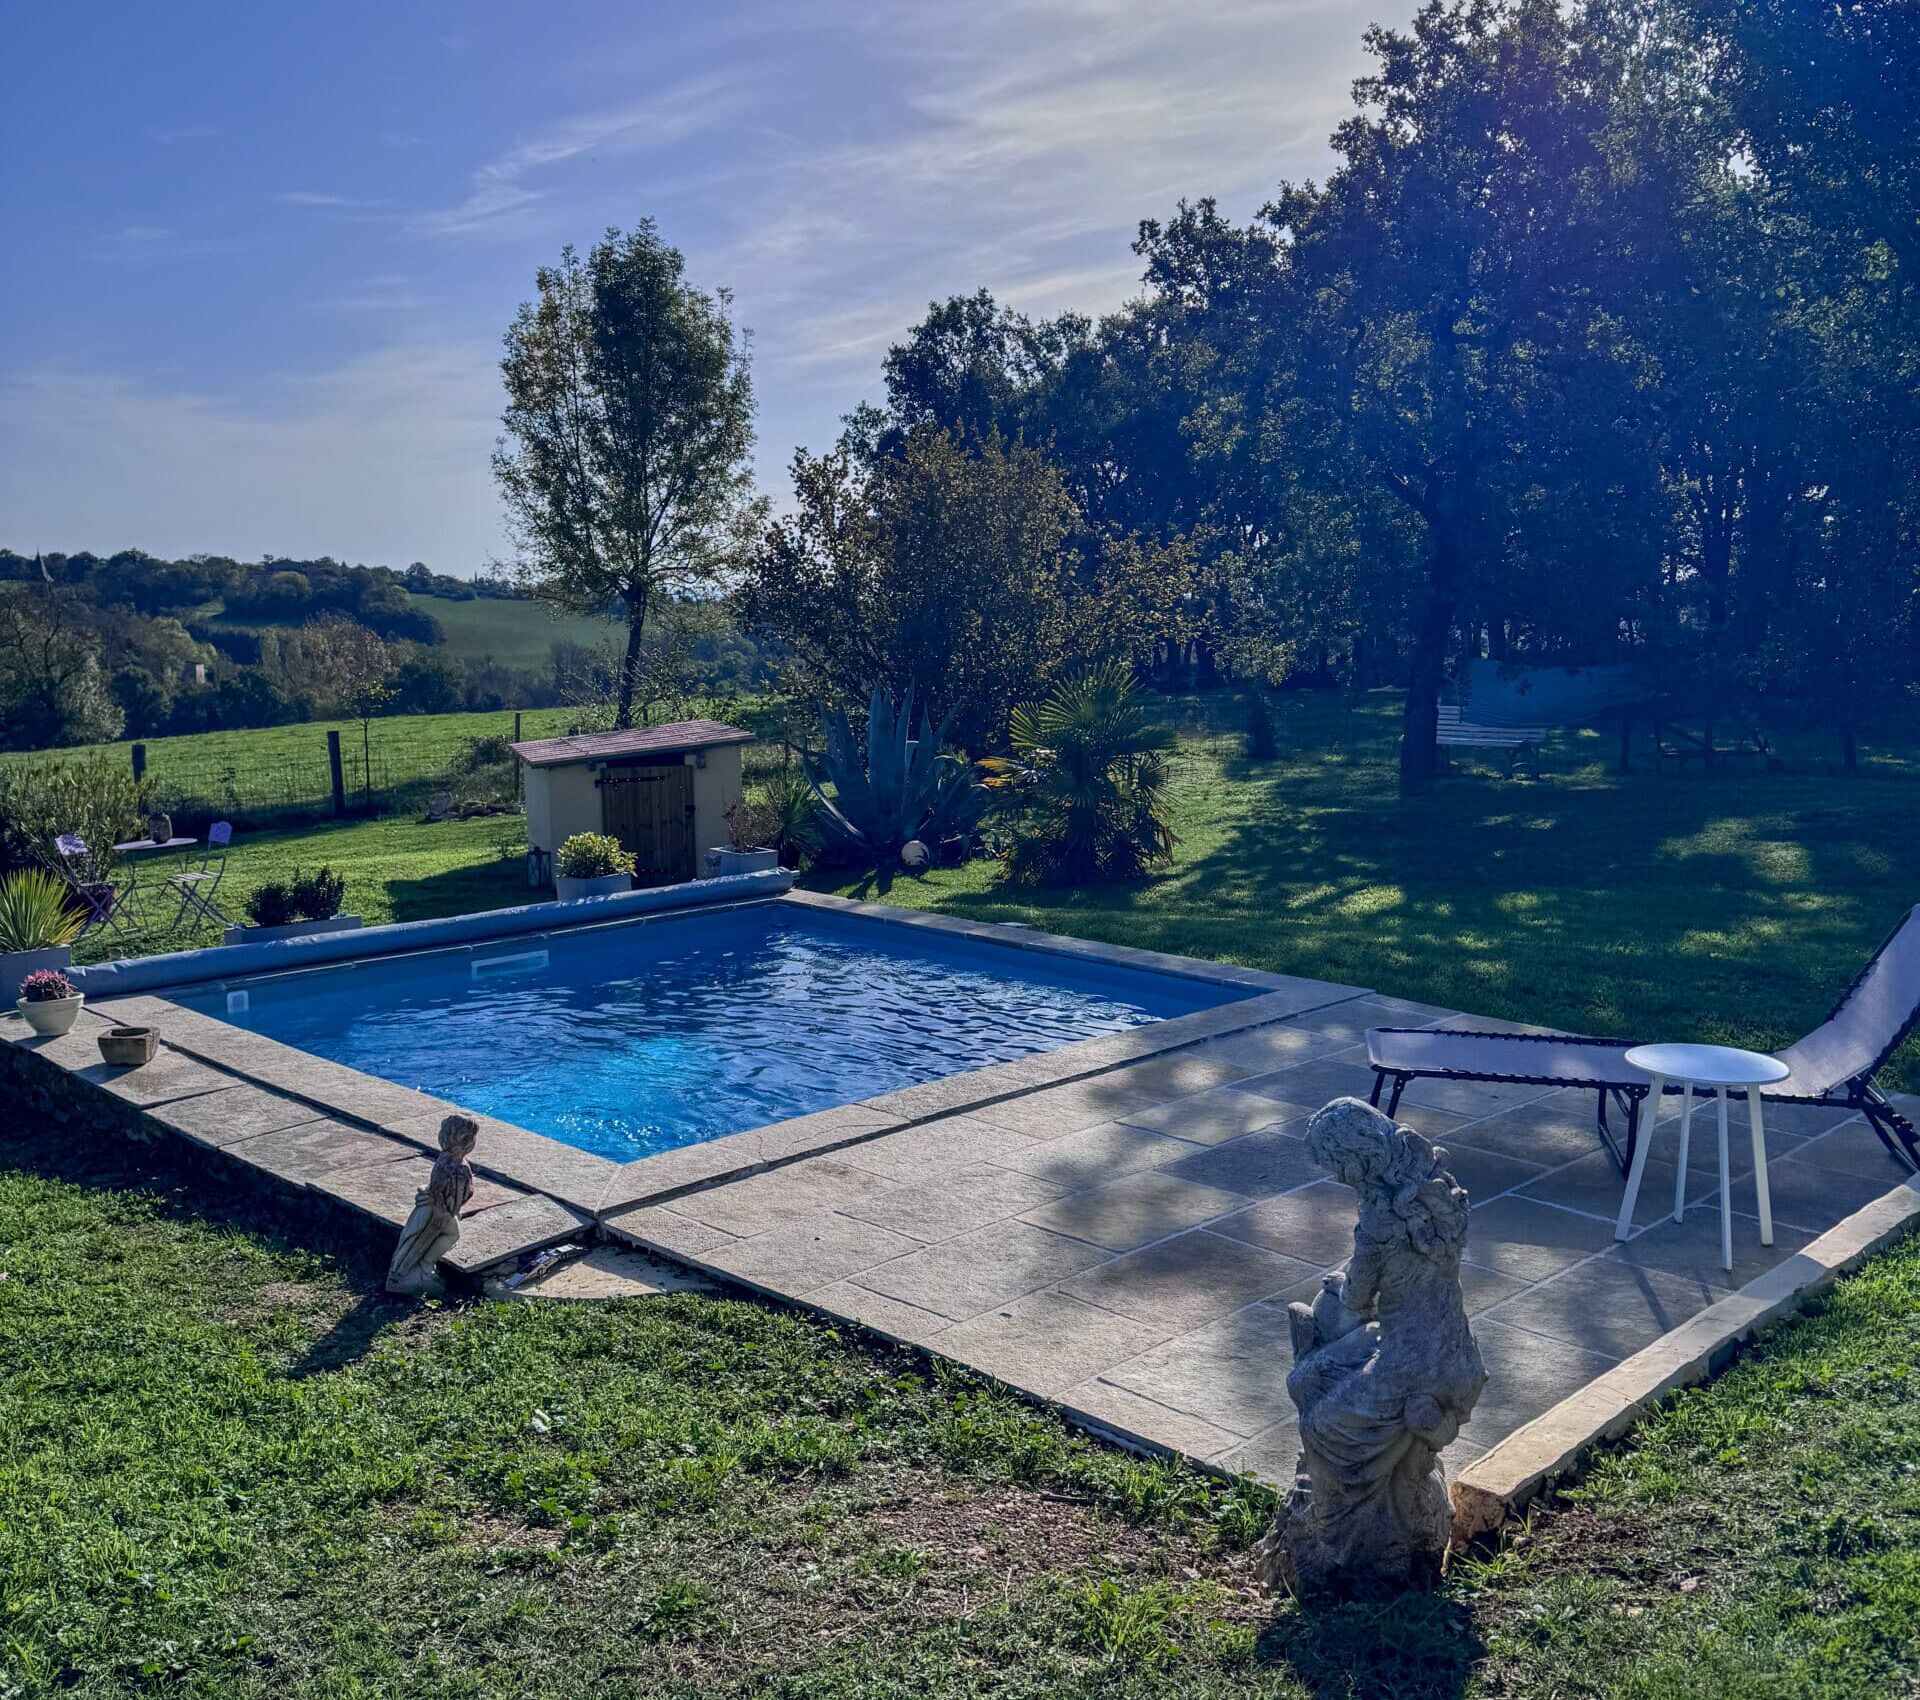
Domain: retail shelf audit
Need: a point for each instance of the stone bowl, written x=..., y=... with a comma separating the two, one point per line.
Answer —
x=128, y=1047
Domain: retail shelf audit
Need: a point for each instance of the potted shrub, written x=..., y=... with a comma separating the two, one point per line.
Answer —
x=49, y=1002
x=37, y=929
x=751, y=829
x=301, y=906
x=590, y=864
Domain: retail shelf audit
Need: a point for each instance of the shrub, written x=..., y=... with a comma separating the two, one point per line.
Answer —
x=750, y=824
x=34, y=913
x=592, y=856
x=271, y=905
x=899, y=787
x=317, y=896
x=796, y=817
x=93, y=796
x=1087, y=780
x=46, y=985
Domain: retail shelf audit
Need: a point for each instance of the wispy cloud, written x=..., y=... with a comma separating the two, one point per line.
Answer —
x=505, y=188
x=311, y=198
x=169, y=134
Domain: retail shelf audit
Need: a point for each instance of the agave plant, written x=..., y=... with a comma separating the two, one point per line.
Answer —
x=34, y=913
x=899, y=788
x=1087, y=782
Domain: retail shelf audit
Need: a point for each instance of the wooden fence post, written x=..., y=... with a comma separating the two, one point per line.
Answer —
x=339, y=778
x=139, y=763
x=516, y=726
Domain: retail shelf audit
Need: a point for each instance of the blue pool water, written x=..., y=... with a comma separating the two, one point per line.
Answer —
x=632, y=1039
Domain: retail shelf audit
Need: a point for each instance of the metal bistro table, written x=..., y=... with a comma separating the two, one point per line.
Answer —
x=1717, y=1068
x=133, y=850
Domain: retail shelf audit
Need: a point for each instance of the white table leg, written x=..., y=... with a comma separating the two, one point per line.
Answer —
x=1634, y=1175
x=1726, y=1190
x=1686, y=1127
x=1759, y=1130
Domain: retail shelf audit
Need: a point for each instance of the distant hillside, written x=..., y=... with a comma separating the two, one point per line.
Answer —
x=512, y=634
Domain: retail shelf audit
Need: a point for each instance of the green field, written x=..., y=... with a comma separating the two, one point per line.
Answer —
x=513, y=634
x=278, y=768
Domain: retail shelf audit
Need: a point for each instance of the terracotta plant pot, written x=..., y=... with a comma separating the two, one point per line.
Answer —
x=50, y=1017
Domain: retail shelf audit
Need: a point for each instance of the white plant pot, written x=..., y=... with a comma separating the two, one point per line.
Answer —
x=292, y=930
x=603, y=885
x=51, y=1017
x=16, y=965
x=723, y=861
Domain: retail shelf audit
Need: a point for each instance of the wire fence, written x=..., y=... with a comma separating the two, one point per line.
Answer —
x=311, y=772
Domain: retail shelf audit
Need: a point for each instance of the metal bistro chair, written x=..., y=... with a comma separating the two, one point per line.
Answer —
x=198, y=885
x=99, y=897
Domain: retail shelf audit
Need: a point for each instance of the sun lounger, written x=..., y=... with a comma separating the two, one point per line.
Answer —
x=1834, y=1064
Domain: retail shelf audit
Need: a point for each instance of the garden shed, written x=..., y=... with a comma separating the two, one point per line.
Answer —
x=663, y=791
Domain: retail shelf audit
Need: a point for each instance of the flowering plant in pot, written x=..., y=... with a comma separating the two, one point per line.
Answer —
x=49, y=1002
x=37, y=929
x=591, y=864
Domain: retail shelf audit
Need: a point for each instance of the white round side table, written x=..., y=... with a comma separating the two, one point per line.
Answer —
x=1715, y=1067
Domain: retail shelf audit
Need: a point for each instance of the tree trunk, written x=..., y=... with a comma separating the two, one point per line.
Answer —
x=1426, y=668
x=630, y=667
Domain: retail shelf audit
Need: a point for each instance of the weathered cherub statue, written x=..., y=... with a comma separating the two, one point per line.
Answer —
x=1385, y=1370
x=434, y=1227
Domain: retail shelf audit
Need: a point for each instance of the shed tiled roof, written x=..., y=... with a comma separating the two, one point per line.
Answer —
x=641, y=741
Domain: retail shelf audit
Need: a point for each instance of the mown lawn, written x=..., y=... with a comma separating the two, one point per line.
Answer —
x=397, y=868
x=233, y=1469
x=1730, y=906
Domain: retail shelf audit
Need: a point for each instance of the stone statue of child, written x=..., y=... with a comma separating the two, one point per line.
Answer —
x=434, y=1227
x=1385, y=1370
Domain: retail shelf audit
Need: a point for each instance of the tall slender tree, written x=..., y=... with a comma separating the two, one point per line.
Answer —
x=629, y=421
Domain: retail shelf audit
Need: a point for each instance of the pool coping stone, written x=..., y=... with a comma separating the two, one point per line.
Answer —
x=1515, y=1470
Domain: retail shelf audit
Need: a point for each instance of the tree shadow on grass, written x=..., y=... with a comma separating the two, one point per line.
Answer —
x=463, y=891
x=1418, y=1646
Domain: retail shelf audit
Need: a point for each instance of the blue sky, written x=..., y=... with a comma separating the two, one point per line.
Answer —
x=260, y=256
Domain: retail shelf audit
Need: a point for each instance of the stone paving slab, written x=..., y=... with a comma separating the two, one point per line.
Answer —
x=386, y=1190
x=499, y=1233
x=1062, y=1226
x=232, y=1114
x=309, y=1151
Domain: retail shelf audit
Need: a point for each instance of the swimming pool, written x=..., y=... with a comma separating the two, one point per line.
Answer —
x=635, y=1038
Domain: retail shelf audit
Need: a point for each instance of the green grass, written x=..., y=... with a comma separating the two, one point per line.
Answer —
x=233, y=1468
x=515, y=634
x=1730, y=906
x=396, y=868
x=263, y=769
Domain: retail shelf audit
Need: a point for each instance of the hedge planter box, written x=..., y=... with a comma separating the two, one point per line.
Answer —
x=16, y=965
x=602, y=885
x=292, y=930
x=722, y=861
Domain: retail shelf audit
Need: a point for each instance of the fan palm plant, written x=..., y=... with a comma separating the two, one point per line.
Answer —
x=1087, y=782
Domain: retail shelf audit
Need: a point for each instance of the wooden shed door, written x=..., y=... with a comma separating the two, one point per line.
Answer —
x=650, y=810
